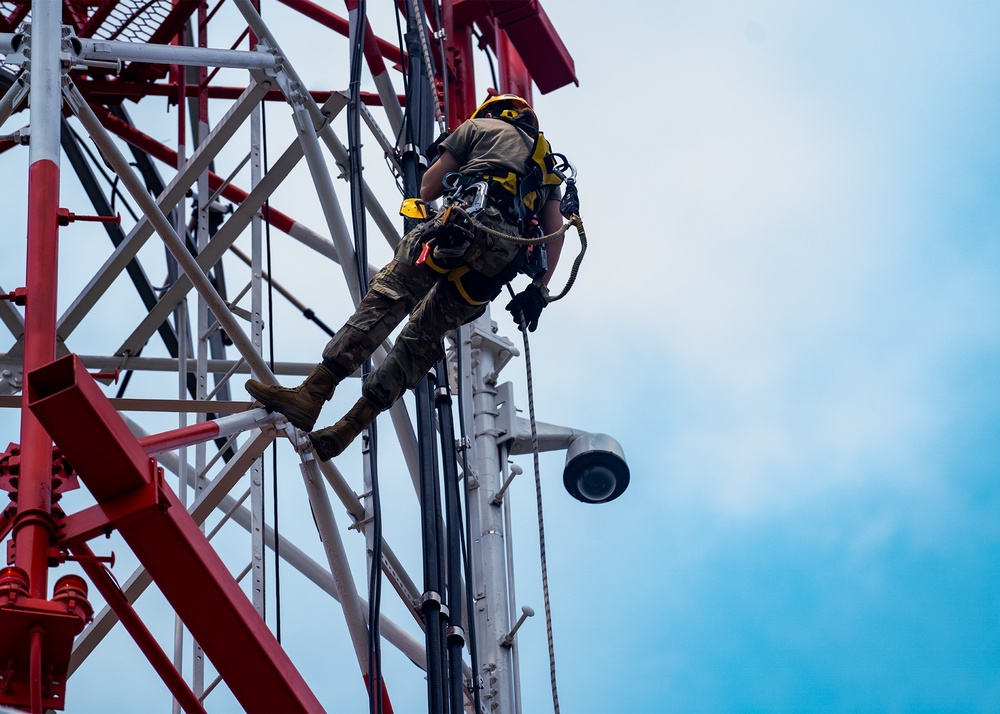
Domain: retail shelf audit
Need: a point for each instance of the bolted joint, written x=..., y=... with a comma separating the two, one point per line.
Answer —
x=18, y=297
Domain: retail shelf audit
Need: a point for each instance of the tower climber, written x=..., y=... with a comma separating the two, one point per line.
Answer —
x=502, y=183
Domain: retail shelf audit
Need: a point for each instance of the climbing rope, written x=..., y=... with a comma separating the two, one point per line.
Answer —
x=541, y=521
x=572, y=220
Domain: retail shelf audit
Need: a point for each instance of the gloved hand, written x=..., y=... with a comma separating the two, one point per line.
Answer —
x=527, y=305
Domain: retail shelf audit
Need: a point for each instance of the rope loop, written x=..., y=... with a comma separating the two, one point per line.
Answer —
x=573, y=220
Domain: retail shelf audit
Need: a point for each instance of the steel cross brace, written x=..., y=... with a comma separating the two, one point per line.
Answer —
x=167, y=233
x=225, y=237
x=304, y=103
x=174, y=191
x=342, y=586
x=210, y=498
x=192, y=577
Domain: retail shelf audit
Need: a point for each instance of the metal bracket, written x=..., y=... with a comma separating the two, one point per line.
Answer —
x=508, y=639
x=18, y=297
x=506, y=413
x=22, y=136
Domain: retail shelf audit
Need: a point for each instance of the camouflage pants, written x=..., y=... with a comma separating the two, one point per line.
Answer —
x=451, y=287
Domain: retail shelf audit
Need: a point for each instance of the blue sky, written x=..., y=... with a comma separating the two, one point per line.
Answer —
x=788, y=316
x=791, y=308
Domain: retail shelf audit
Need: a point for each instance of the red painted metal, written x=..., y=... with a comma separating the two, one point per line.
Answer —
x=98, y=17
x=461, y=72
x=37, y=634
x=530, y=30
x=382, y=48
x=132, y=623
x=66, y=217
x=33, y=525
x=175, y=438
x=514, y=76
x=167, y=541
x=36, y=637
x=386, y=704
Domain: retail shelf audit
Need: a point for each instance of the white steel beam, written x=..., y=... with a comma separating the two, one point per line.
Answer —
x=306, y=131
x=113, y=50
x=336, y=555
x=7, y=42
x=166, y=232
x=13, y=97
x=490, y=353
x=174, y=192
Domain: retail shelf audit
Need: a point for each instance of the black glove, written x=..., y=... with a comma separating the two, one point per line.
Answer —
x=527, y=305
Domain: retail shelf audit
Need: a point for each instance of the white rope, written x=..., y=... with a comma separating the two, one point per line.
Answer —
x=541, y=522
x=428, y=65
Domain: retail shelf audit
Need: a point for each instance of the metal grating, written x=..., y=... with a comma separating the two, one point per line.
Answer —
x=134, y=20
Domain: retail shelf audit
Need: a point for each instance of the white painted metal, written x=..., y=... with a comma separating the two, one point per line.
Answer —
x=13, y=97
x=115, y=51
x=333, y=545
x=167, y=234
x=206, y=152
x=7, y=42
x=489, y=353
x=258, y=516
x=45, y=38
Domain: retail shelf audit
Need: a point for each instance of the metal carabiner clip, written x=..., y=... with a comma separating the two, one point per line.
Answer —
x=479, y=201
x=452, y=181
x=560, y=168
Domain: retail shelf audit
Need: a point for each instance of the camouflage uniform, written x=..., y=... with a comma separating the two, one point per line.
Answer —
x=452, y=287
x=432, y=294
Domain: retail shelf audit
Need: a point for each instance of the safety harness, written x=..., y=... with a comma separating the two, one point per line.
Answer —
x=516, y=199
x=520, y=194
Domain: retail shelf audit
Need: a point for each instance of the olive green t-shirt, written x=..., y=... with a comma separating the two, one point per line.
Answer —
x=493, y=146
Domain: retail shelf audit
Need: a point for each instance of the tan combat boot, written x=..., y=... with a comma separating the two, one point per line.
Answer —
x=332, y=440
x=301, y=404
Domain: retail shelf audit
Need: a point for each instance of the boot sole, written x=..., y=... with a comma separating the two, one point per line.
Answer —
x=296, y=416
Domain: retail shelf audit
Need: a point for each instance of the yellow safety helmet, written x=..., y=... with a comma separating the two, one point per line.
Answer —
x=507, y=106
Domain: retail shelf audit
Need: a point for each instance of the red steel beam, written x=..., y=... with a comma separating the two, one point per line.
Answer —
x=100, y=15
x=132, y=623
x=514, y=76
x=282, y=221
x=528, y=26
x=342, y=26
x=458, y=50
x=33, y=525
x=538, y=43
x=167, y=541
